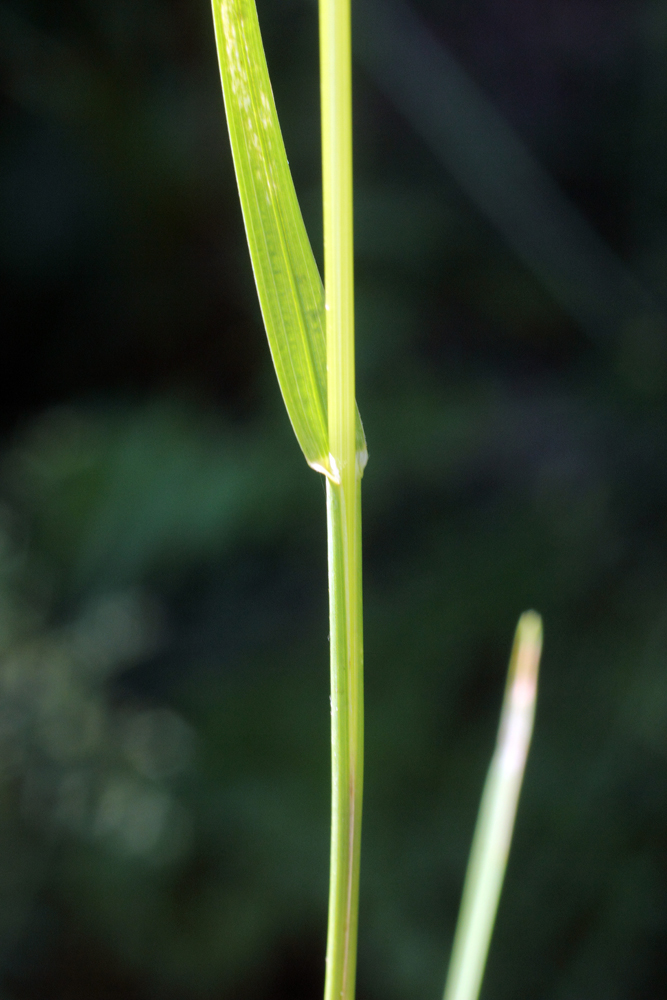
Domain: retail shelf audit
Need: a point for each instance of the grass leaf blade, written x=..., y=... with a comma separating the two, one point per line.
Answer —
x=288, y=281
x=497, y=812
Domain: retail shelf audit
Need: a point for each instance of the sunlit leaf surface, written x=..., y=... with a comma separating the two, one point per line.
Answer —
x=288, y=281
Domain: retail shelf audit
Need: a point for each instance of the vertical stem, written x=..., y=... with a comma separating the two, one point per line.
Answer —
x=336, y=90
x=343, y=502
x=347, y=739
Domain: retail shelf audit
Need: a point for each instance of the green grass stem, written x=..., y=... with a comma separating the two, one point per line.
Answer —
x=347, y=737
x=497, y=812
x=343, y=501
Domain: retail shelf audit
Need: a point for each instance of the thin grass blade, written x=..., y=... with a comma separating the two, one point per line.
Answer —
x=288, y=281
x=497, y=812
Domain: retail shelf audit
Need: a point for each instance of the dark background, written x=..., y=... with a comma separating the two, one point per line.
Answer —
x=163, y=678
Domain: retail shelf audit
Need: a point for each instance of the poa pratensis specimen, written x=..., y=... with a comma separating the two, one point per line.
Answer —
x=310, y=329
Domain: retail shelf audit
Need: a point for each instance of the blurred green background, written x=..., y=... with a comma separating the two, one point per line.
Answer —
x=164, y=762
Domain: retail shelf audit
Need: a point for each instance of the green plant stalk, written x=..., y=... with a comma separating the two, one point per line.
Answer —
x=497, y=812
x=346, y=740
x=343, y=501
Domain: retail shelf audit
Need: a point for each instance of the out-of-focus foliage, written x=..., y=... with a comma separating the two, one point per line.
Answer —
x=163, y=678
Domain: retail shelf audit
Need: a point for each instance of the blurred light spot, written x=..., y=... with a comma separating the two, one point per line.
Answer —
x=71, y=730
x=134, y=815
x=158, y=743
x=116, y=629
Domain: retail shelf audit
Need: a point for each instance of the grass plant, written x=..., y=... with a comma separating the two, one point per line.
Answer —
x=310, y=330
